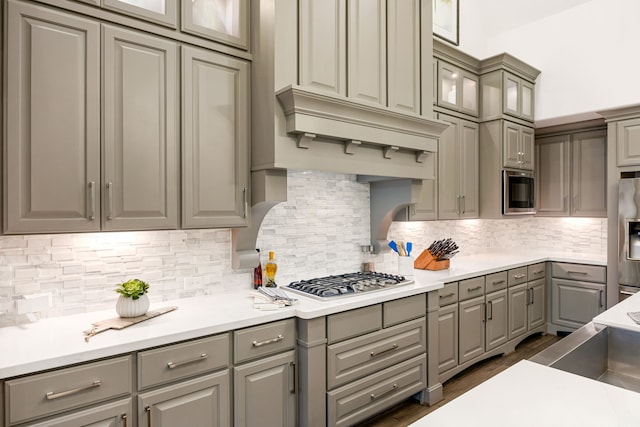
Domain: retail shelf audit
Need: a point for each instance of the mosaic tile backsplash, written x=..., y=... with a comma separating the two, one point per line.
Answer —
x=317, y=232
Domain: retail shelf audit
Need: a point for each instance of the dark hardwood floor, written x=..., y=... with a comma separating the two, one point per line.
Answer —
x=410, y=410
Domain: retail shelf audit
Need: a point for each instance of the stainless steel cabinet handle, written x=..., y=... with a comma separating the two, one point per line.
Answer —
x=519, y=276
x=393, y=347
x=535, y=273
x=148, y=411
x=271, y=341
x=447, y=295
x=109, y=200
x=601, y=299
x=50, y=395
x=123, y=417
x=464, y=204
x=474, y=288
x=92, y=200
x=393, y=388
x=575, y=203
x=490, y=310
x=497, y=282
x=245, y=201
x=484, y=312
x=200, y=358
x=292, y=389
x=458, y=198
x=530, y=291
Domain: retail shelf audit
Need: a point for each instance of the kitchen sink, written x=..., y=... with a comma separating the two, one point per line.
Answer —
x=602, y=353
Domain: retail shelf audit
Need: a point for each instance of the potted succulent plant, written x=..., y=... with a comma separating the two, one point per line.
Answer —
x=133, y=300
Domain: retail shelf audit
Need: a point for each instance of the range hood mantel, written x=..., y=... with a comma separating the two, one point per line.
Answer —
x=315, y=117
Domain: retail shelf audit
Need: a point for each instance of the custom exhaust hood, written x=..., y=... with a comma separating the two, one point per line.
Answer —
x=302, y=123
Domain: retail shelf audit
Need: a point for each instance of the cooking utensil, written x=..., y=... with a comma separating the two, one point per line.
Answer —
x=393, y=245
x=409, y=248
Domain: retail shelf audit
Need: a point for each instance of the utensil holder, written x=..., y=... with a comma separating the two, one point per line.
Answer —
x=405, y=266
x=426, y=261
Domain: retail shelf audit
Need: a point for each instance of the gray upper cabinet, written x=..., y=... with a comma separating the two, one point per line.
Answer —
x=518, y=97
x=140, y=157
x=367, y=50
x=458, y=169
x=225, y=21
x=404, y=56
x=457, y=89
x=628, y=142
x=572, y=174
x=505, y=94
x=52, y=157
x=322, y=44
x=163, y=12
x=215, y=139
x=518, y=146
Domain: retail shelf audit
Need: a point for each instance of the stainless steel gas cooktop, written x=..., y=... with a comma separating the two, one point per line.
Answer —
x=346, y=284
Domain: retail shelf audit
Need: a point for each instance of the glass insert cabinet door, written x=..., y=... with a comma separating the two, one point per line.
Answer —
x=164, y=12
x=226, y=21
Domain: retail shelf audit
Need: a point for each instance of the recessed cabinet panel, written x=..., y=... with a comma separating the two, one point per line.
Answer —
x=589, y=174
x=52, y=157
x=140, y=131
x=553, y=175
x=403, y=59
x=162, y=12
x=628, y=140
x=322, y=44
x=215, y=143
x=226, y=21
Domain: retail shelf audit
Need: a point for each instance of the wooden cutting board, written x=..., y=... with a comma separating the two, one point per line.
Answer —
x=123, y=322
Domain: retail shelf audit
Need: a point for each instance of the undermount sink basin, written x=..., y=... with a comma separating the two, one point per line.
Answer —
x=602, y=353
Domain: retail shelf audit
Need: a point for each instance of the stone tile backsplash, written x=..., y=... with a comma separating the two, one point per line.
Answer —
x=317, y=232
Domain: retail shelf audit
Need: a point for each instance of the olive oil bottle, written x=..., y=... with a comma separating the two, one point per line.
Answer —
x=270, y=269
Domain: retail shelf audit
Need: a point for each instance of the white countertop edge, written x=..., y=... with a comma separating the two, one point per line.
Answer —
x=616, y=316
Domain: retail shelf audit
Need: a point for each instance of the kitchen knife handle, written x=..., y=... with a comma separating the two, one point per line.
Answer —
x=50, y=395
x=109, y=200
x=92, y=200
x=280, y=337
x=202, y=357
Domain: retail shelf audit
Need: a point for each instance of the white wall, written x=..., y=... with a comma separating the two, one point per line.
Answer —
x=586, y=49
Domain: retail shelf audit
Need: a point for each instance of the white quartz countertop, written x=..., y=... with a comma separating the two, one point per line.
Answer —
x=532, y=395
x=616, y=316
x=55, y=342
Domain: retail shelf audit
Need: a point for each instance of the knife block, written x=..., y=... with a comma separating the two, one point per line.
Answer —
x=426, y=261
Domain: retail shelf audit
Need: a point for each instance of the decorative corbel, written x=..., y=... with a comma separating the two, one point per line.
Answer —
x=421, y=156
x=305, y=138
x=350, y=146
x=389, y=150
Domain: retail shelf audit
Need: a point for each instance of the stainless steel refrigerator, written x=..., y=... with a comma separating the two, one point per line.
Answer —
x=629, y=236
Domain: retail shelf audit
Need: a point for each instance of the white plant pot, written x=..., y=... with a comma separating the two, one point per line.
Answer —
x=129, y=307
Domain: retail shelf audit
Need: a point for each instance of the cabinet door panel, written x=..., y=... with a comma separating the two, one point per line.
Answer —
x=215, y=141
x=517, y=310
x=223, y=20
x=472, y=326
x=323, y=58
x=536, y=312
x=576, y=303
x=553, y=175
x=163, y=12
x=448, y=172
x=628, y=142
x=527, y=142
x=264, y=392
x=140, y=131
x=403, y=60
x=114, y=414
x=367, y=50
x=447, y=338
x=52, y=157
x=511, y=145
x=203, y=401
x=469, y=169
x=497, y=319
x=589, y=174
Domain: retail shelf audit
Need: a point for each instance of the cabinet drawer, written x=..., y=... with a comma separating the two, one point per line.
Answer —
x=588, y=273
x=263, y=340
x=360, y=400
x=471, y=288
x=51, y=392
x=353, y=323
x=364, y=355
x=403, y=310
x=182, y=360
x=536, y=271
x=448, y=294
x=517, y=276
x=496, y=281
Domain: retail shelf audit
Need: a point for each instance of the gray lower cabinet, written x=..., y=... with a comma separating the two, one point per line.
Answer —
x=114, y=414
x=578, y=294
x=215, y=140
x=458, y=169
x=265, y=392
x=203, y=401
x=140, y=147
x=448, y=327
x=526, y=307
x=52, y=145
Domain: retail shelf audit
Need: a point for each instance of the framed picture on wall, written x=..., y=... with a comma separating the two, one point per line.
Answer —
x=445, y=20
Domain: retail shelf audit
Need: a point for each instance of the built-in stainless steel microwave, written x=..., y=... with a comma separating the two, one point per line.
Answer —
x=518, y=192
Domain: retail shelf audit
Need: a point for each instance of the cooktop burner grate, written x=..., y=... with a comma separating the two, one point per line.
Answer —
x=346, y=284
